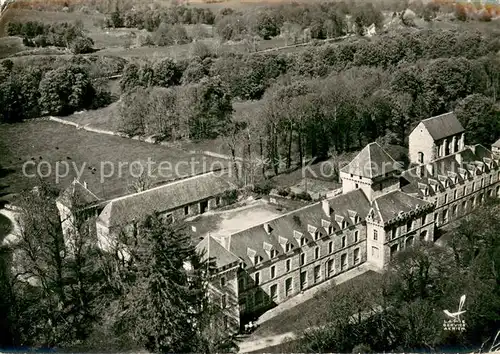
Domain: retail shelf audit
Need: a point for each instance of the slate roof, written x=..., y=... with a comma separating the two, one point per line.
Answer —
x=371, y=162
x=77, y=195
x=283, y=227
x=221, y=255
x=448, y=167
x=124, y=210
x=442, y=126
x=390, y=205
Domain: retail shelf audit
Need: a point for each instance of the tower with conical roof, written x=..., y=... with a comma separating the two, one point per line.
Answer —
x=373, y=170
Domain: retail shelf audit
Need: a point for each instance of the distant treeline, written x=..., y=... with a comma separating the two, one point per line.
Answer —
x=64, y=34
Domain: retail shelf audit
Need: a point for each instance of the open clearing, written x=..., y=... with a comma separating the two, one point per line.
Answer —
x=44, y=143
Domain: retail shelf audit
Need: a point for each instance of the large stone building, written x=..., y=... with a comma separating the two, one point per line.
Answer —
x=174, y=201
x=382, y=209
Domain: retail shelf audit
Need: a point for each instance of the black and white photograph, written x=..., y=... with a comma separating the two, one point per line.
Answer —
x=250, y=176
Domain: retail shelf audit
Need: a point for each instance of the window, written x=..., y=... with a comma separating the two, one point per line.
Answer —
x=375, y=235
x=223, y=282
x=302, y=259
x=420, y=157
x=330, y=266
x=257, y=278
x=394, y=249
x=186, y=210
x=303, y=241
x=455, y=194
x=409, y=242
x=408, y=226
x=256, y=260
x=356, y=256
x=258, y=297
x=464, y=191
x=169, y=218
x=445, y=215
x=423, y=220
x=288, y=247
x=317, y=273
x=445, y=199
x=423, y=235
x=482, y=182
x=288, y=287
x=273, y=272
x=344, y=224
x=303, y=280
x=330, y=229
x=454, y=210
x=241, y=284
x=224, y=324
x=343, y=262
x=473, y=186
x=316, y=253
x=273, y=253
x=356, y=236
x=273, y=291
x=464, y=205
x=316, y=235
x=356, y=186
x=491, y=179
x=223, y=301
x=375, y=252
x=343, y=241
x=217, y=201
x=330, y=247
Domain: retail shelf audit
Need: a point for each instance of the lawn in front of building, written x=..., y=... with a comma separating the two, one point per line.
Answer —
x=310, y=313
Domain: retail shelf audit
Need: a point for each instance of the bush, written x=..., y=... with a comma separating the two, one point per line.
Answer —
x=230, y=197
x=302, y=196
x=263, y=187
x=82, y=45
x=283, y=191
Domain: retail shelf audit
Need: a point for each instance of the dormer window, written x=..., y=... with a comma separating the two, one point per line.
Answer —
x=344, y=224
x=303, y=241
x=256, y=260
x=316, y=235
x=288, y=247
x=273, y=253
x=330, y=229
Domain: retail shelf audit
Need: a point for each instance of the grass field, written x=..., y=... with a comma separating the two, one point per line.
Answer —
x=10, y=46
x=44, y=143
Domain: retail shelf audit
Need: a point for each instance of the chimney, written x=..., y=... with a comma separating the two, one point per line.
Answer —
x=326, y=207
x=420, y=171
x=268, y=228
x=430, y=169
